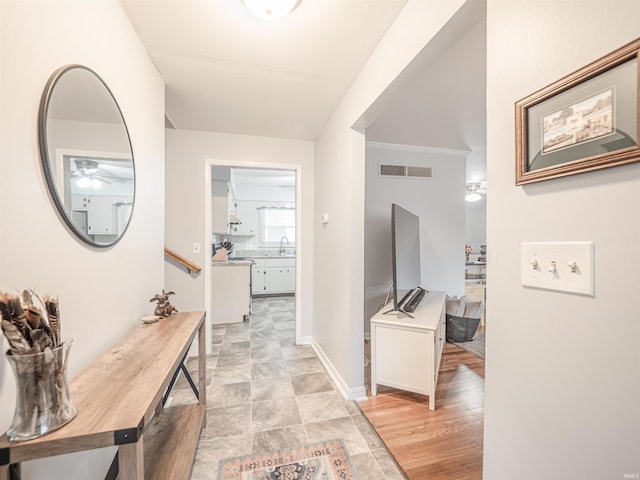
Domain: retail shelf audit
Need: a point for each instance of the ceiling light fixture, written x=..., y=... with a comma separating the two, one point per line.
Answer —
x=271, y=9
x=472, y=192
x=83, y=182
x=472, y=197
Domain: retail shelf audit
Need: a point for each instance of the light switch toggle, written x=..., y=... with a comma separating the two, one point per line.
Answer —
x=559, y=266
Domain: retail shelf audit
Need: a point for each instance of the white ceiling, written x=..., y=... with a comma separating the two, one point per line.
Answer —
x=227, y=71
x=445, y=107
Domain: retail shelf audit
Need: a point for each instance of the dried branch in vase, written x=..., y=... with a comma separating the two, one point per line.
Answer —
x=38, y=357
x=30, y=328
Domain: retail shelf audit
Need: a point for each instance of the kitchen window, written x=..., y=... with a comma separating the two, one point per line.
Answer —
x=276, y=223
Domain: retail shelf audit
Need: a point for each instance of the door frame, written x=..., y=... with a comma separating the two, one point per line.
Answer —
x=299, y=240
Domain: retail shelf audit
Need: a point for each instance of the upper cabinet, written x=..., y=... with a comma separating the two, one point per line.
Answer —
x=248, y=214
x=220, y=206
x=226, y=212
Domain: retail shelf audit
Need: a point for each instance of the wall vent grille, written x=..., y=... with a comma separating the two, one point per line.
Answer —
x=404, y=171
x=393, y=170
x=423, y=172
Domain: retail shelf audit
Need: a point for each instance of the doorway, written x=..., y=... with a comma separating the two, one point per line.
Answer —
x=261, y=227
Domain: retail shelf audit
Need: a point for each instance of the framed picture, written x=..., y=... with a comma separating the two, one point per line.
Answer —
x=586, y=121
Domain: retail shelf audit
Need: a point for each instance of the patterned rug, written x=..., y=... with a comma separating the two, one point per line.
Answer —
x=475, y=346
x=326, y=460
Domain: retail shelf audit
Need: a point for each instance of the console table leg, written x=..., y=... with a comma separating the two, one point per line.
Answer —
x=202, y=369
x=131, y=460
x=4, y=472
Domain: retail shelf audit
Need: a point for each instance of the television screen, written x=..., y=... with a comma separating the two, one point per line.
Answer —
x=405, y=240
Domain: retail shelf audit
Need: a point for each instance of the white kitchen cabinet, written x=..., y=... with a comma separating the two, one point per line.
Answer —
x=290, y=279
x=231, y=292
x=406, y=351
x=278, y=276
x=257, y=278
x=80, y=202
x=273, y=276
x=101, y=218
x=274, y=280
x=248, y=215
x=105, y=214
x=220, y=206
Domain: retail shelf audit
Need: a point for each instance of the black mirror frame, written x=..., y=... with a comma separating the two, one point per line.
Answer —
x=46, y=164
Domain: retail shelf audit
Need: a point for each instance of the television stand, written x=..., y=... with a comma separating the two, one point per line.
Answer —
x=406, y=352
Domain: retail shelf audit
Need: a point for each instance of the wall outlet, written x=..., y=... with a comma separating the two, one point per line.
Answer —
x=196, y=247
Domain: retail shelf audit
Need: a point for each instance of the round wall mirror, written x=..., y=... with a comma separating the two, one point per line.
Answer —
x=86, y=155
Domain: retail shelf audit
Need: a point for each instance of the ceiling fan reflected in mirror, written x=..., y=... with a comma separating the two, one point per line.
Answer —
x=474, y=191
x=86, y=173
x=90, y=173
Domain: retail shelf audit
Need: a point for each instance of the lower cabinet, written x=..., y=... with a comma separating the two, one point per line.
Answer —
x=257, y=279
x=230, y=295
x=273, y=276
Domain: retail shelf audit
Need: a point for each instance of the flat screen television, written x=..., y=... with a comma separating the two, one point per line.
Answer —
x=405, y=251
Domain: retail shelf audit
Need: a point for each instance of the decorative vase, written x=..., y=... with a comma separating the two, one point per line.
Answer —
x=43, y=399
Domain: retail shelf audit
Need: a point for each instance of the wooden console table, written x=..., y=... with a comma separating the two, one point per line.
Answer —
x=119, y=401
x=405, y=351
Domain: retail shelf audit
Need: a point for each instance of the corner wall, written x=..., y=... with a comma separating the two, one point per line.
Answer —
x=338, y=291
x=562, y=370
x=187, y=152
x=438, y=202
x=103, y=293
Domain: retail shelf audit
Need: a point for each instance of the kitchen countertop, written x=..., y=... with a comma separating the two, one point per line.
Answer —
x=232, y=263
x=270, y=256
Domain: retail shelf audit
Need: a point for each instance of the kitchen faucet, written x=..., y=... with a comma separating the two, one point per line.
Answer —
x=281, y=240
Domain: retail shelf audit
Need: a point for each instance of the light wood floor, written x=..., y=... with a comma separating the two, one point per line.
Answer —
x=445, y=444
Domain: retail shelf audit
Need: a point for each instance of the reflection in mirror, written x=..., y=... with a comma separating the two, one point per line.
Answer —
x=86, y=155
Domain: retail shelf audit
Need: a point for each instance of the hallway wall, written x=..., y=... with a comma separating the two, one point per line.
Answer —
x=561, y=370
x=104, y=292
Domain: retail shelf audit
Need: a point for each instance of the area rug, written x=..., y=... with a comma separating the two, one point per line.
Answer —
x=475, y=346
x=326, y=460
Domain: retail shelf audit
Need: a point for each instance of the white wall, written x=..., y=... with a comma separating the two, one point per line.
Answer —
x=476, y=224
x=102, y=292
x=438, y=202
x=338, y=327
x=187, y=153
x=562, y=370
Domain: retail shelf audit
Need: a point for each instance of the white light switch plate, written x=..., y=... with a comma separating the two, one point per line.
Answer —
x=561, y=266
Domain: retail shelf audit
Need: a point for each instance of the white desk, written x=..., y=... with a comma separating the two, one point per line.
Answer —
x=405, y=351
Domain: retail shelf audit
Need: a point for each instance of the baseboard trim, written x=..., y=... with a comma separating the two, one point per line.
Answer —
x=303, y=340
x=357, y=394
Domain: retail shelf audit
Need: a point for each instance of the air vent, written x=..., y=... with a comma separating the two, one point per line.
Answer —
x=404, y=171
x=393, y=170
x=423, y=172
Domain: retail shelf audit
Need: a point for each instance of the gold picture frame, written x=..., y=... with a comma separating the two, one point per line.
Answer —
x=586, y=121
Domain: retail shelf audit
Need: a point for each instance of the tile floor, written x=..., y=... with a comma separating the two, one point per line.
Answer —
x=265, y=393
